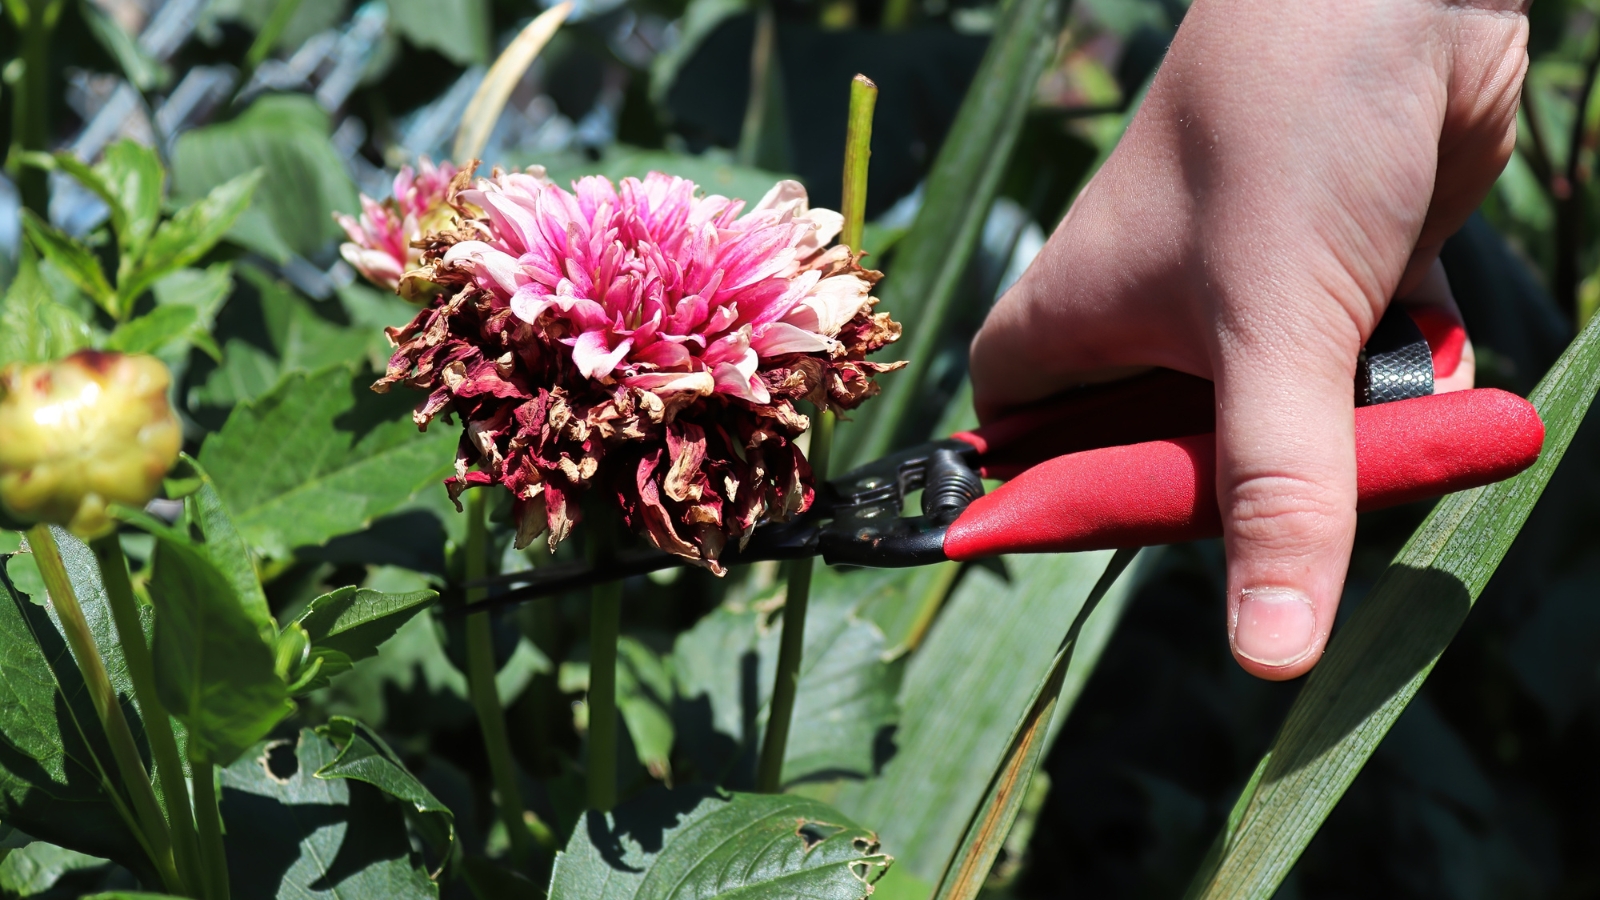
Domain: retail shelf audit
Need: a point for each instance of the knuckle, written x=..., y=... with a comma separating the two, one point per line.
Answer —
x=1285, y=512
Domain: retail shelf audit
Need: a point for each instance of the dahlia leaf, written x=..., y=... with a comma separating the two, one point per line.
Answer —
x=966, y=686
x=34, y=868
x=162, y=328
x=73, y=260
x=134, y=177
x=213, y=671
x=364, y=756
x=54, y=774
x=347, y=625
x=846, y=697
x=458, y=29
x=319, y=456
x=293, y=834
x=304, y=178
x=184, y=238
x=223, y=545
x=703, y=843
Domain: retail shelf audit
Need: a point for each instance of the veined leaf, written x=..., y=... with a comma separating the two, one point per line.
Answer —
x=293, y=835
x=364, y=756
x=40, y=867
x=967, y=686
x=221, y=542
x=187, y=236
x=305, y=180
x=134, y=177
x=967, y=870
x=161, y=328
x=1378, y=660
x=347, y=625
x=676, y=845
x=213, y=671
x=203, y=290
x=319, y=456
x=73, y=260
x=933, y=256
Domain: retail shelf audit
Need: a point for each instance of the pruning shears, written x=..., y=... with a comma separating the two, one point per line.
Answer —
x=1126, y=464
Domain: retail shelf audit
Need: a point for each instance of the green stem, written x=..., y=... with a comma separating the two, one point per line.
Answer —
x=213, y=857
x=30, y=107
x=605, y=625
x=791, y=646
x=485, y=696
x=857, y=153
x=266, y=38
x=157, y=725
x=104, y=696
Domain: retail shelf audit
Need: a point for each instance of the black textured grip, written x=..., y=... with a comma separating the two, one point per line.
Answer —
x=1396, y=363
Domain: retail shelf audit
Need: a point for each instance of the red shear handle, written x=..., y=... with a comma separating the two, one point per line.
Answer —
x=1165, y=491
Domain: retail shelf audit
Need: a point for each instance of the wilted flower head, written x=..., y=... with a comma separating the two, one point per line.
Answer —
x=83, y=433
x=380, y=241
x=644, y=337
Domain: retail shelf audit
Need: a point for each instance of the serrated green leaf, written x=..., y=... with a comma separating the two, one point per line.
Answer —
x=347, y=625
x=364, y=756
x=213, y=671
x=163, y=327
x=319, y=456
x=294, y=836
x=188, y=235
x=286, y=136
x=1380, y=657
x=846, y=693
x=72, y=259
x=246, y=373
x=224, y=546
x=33, y=326
x=203, y=290
x=932, y=258
x=965, y=688
x=41, y=866
x=676, y=845
x=134, y=177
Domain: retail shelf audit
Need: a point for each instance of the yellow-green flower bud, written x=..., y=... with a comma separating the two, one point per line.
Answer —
x=82, y=433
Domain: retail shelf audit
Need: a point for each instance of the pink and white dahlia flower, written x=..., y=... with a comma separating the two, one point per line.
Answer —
x=380, y=241
x=643, y=338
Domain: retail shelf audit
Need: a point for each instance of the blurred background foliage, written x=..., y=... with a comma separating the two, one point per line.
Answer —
x=1484, y=789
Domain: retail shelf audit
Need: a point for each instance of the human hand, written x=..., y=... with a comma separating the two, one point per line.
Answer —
x=1293, y=168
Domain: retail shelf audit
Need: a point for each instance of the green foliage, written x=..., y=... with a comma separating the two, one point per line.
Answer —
x=458, y=29
x=363, y=756
x=846, y=694
x=303, y=180
x=319, y=456
x=38, y=867
x=341, y=628
x=34, y=327
x=293, y=833
x=213, y=671
x=673, y=845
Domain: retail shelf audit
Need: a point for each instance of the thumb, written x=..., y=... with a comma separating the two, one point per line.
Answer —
x=1286, y=485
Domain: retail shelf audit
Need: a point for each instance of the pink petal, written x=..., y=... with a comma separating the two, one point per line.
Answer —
x=593, y=358
x=781, y=337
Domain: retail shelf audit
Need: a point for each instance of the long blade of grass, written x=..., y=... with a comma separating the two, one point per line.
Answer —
x=490, y=99
x=933, y=256
x=991, y=821
x=1380, y=658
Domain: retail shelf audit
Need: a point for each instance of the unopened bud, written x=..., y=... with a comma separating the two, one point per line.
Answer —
x=82, y=433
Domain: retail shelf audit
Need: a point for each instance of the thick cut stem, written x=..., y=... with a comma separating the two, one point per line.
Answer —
x=157, y=725
x=485, y=696
x=763, y=59
x=104, y=696
x=857, y=153
x=208, y=819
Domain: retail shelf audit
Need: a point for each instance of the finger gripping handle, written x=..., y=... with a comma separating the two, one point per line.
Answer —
x=1160, y=492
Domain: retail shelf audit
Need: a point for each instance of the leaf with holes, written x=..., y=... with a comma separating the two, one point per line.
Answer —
x=294, y=835
x=676, y=845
